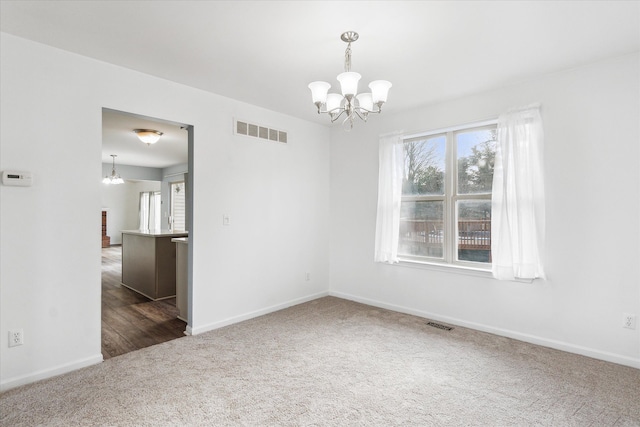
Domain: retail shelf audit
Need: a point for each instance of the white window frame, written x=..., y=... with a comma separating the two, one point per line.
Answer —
x=172, y=215
x=450, y=199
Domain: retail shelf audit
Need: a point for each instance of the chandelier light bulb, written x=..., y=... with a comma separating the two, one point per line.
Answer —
x=379, y=90
x=319, y=92
x=333, y=102
x=349, y=83
x=365, y=101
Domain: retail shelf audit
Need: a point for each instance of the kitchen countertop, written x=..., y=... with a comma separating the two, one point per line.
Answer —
x=156, y=233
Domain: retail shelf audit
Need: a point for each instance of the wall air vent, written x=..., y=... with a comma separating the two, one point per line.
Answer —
x=440, y=326
x=242, y=127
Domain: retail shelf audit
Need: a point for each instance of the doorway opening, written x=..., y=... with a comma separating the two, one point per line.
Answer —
x=140, y=289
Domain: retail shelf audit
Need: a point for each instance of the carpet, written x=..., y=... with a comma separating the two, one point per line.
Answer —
x=332, y=362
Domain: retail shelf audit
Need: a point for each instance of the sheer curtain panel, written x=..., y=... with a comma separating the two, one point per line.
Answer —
x=518, y=207
x=144, y=211
x=149, y=212
x=390, y=169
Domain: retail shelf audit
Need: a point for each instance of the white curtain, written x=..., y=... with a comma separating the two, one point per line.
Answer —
x=155, y=204
x=518, y=209
x=149, y=212
x=390, y=169
x=144, y=211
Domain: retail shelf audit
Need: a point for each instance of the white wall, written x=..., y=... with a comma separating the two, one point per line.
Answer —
x=591, y=119
x=122, y=203
x=50, y=124
x=133, y=172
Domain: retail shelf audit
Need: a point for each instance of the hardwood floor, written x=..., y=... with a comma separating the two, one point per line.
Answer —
x=130, y=321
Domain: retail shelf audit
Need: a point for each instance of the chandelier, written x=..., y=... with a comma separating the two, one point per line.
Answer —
x=350, y=103
x=114, y=178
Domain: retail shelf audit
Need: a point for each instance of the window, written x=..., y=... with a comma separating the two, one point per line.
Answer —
x=177, y=218
x=445, y=212
x=149, y=212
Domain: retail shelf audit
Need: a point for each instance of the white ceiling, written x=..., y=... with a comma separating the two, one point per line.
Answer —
x=118, y=138
x=266, y=52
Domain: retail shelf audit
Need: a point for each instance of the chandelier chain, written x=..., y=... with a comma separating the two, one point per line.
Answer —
x=347, y=58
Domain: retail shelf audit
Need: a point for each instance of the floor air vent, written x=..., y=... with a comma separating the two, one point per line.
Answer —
x=440, y=326
x=245, y=128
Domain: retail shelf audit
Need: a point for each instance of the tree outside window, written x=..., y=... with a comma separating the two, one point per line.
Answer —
x=446, y=196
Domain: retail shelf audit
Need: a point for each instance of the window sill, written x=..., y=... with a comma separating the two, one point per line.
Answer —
x=448, y=268
x=451, y=268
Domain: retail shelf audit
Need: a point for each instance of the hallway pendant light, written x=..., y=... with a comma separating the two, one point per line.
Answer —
x=148, y=136
x=114, y=178
x=350, y=102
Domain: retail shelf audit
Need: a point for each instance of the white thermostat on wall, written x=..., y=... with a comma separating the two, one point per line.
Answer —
x=17, y=178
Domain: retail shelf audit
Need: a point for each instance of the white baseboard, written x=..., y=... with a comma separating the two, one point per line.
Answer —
x=559, y=345
x=231, y=320
x=48, y=373
x=545, y=342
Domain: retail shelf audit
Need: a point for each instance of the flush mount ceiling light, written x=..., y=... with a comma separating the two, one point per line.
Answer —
x=148, y=136
x=114, y=178
x=350, y=102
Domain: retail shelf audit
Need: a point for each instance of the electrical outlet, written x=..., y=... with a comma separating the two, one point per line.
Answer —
x=629, y=321
x=16, y=337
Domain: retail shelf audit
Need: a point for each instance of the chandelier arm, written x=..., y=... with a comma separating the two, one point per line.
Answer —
x=334, y=111
x=337, y=110
x=369, y=111
x=333, y=119
x=362, y=117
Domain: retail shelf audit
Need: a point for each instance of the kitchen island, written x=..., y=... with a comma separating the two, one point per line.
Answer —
x=149, y=262
x=182, y=295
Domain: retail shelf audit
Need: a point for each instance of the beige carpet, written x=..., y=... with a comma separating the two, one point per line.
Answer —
x=332, y=362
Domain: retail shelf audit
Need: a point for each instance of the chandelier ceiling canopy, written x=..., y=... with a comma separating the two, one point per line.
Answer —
x=349, y=103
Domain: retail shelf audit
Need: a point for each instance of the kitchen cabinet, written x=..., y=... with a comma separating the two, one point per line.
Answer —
x=149, y=262
x=182, y=304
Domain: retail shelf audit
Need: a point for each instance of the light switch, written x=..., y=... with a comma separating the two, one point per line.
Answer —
x=226, y=220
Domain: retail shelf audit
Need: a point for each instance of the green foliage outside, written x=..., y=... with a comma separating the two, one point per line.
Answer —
x=475, y=171
x=425, y=175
